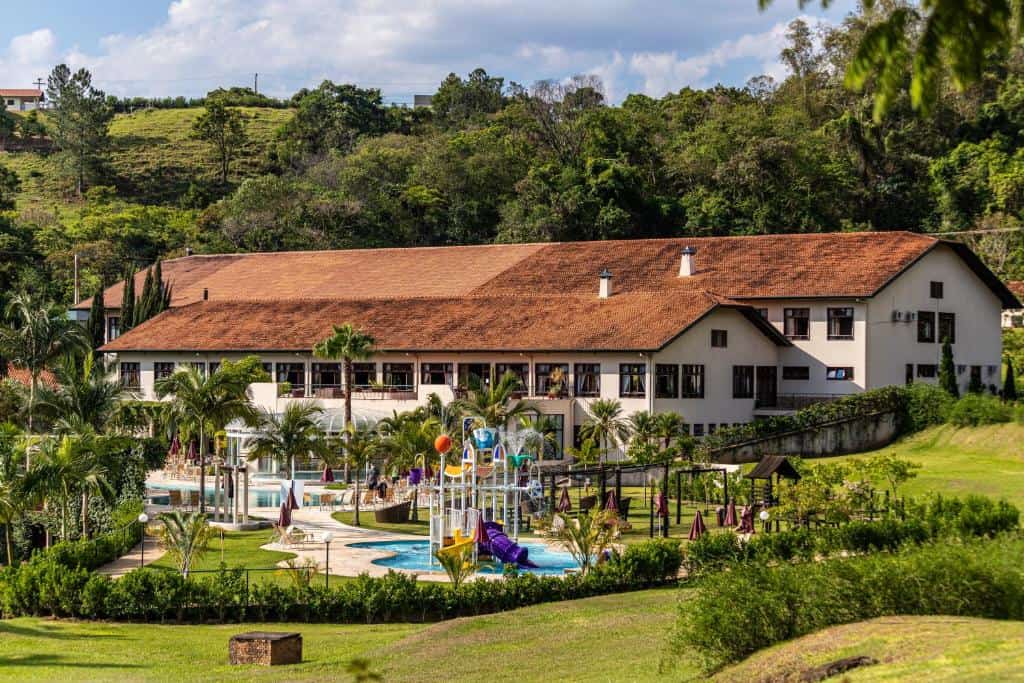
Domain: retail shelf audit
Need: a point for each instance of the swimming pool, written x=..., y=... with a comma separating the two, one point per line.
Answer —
x=415, y=556
x=258, y=498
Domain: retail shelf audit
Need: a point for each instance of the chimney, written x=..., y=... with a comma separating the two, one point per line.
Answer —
x=604, y=290
x=686, y=264
x=206, y=294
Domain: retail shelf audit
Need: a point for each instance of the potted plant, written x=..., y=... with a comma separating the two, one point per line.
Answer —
x=284, y=388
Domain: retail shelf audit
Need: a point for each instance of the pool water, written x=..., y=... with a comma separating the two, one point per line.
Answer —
x=258, y=498
x=415, y=555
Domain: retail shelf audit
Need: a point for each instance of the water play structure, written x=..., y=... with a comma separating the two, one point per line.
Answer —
x=475, y=501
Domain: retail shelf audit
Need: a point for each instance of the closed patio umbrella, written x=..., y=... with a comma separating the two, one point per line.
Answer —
x=175, y=447
x=192, y=457
x=292, y=503
x=661, y=505
x=328, y=475
x=230, y=479
x=564, y=503
x=747, y=520
x=697, y=529
x=730, y=514
x=480, y=536
x=284, y=520
x=610, y=502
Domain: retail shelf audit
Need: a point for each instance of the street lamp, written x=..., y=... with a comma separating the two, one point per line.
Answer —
x=764, y=520
x=143, y=519
x=328, y=537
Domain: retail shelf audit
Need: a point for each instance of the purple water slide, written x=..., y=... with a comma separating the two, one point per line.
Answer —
x=506, y=550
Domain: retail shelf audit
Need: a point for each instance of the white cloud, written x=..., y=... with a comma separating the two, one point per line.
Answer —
x=406, y=46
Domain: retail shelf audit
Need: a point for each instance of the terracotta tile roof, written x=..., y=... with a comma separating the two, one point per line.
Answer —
x=528, y=296
x=637, y=321
x=16, y=92
x=1016, y=286
x=24, y=377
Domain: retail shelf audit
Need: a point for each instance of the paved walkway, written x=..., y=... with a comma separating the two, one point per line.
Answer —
x=133, y=560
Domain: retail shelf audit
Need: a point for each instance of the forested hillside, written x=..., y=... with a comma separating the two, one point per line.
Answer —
x=495, y=161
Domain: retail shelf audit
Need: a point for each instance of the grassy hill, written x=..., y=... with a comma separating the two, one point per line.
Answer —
x=907, y=648
x=986, y=460
x=153, y=157
x=610, y=638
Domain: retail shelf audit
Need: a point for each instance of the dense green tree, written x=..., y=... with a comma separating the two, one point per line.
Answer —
x=1010, y=382
x=947, y=371
x=458, y=102
x=7, y=126
x=79, y=119
x=9, y=184
x=289, y=436
x=128, y=302
x=96, y=326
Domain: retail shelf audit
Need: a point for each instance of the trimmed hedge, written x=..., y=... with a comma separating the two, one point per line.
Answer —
x=148, y=595
x=94, y=553
x=940, y=517
x=734, y=614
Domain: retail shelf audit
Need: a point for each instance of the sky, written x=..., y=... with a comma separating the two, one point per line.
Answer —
x=187, y=47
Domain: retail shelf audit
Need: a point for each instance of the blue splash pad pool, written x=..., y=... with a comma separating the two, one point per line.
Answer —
x=415, y=556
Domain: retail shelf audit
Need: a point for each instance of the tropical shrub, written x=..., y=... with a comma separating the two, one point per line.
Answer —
x=925, y=405
x=979, y=409
x=736, y=613
x=655, y=561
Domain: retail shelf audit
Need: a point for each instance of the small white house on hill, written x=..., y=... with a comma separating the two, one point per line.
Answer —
x=15, y=99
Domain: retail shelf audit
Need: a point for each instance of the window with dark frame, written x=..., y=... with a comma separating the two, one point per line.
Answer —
x=763, y=312
x=666, y=381
x=292, y=373
x=364, y=375
x=113, y=327
x=926, y=327
x=719, y=339
x=712, y=428
x=130, y=376
x=269, y=369
x=926, y=370
x=796, y=372
x=200, y=367
x=474, y=375
x=632, y=380
x=213, y=366
x=693, y=381
x=162, y=370
x=588, y=379
x=935, y=289
x=796, y=323
x=327, y=375
x=436, y=373
x=547, y=380
x=398, y=376
x=840, y=323
x=698, y=429
x=520, y=370
x=841, y=374
x=947, y=327
x=743, y=381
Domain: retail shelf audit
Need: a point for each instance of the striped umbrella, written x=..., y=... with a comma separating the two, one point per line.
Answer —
x=564, y=503
x=697, y=529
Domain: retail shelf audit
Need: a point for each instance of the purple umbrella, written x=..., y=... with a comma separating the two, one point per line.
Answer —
x=292, y=504
x=231, y=484
x=730, y=514
x=564, y=503
x=610, y=502
x=175, y=447
x=192, y=457
x=661, y=505
x=285, y=519
x=747, y=520
x=697, y=529
x=328, y=475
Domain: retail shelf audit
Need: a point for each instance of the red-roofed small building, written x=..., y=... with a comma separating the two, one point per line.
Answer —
x=21, y=99
x=1014, y=317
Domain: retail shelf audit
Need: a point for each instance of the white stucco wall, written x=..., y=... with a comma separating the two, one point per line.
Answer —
x=892, y=345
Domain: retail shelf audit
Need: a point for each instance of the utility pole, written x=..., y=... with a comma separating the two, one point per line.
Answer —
x=39, y=83
x=256, y=83
x=77, y=293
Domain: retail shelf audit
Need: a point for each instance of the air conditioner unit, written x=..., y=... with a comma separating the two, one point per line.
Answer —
x=910, y=316
x=897, y=316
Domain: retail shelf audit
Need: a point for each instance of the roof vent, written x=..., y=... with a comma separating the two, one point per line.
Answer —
x=604, y=289
x=206, y=294
x=687, y=267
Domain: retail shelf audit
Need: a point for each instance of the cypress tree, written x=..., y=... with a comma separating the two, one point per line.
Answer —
x=947, y=371
x=163, y=290
x=145, y=306
x=97, y=319
x=1010, y=384
x=128, y=302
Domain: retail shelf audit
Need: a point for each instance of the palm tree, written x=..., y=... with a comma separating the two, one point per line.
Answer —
x=587, y=536
x=184, y=537
x=348, y=344
x=67, y=465
x=39, y=336
x=643, y=426
x=668, y=427
x=295, y=433
x=605, y=425
x=84, y=394
x=12, y=484
x=201, y=406
x=494, y=405
x=587, y=454
x=362, y=443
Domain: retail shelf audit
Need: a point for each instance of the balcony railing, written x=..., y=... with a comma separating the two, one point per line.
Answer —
x=399, y=393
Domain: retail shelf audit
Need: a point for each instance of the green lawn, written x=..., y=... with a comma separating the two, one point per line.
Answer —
x=610, y=638
x=908, y=648
x=957, y=461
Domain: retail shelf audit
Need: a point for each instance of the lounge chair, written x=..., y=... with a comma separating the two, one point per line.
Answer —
x=175, y=498
x=587, y=503
x=327, y=501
